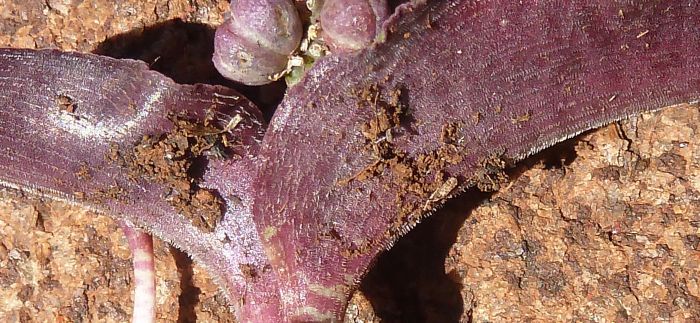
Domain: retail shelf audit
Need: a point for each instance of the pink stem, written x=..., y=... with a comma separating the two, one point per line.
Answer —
x=141, y=244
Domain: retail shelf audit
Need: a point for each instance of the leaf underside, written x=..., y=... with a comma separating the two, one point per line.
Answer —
x=362, y=148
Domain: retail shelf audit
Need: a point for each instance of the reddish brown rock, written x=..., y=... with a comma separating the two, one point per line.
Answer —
x=614, y=234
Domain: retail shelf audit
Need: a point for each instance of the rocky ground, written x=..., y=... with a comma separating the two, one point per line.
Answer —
x=604, y=227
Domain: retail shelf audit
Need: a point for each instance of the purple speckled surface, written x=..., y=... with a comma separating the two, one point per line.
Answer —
x=552, y=69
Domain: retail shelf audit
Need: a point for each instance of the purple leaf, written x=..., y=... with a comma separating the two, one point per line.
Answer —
x=481, y=83
x=63, y=114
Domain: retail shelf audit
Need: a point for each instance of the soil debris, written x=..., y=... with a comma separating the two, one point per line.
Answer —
x=249, y=271
x=420, y=181
x=113, y=192
x=83, y=172
x=448, y=134
x=176, y=157
x=66, y=103
x=490, y=175
x=253, y=272
x=354, y=249
x=522, y=118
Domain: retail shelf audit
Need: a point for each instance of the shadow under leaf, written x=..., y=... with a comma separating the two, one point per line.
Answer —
x=409, y=283
x=183, y=51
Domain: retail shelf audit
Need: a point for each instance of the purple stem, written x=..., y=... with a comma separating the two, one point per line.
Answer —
x=141, y=245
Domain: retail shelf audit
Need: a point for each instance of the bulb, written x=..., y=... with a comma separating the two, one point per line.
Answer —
x=352, y=24
x=255, y=42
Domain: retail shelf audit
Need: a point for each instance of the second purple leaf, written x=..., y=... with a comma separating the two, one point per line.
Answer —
x=367, y=145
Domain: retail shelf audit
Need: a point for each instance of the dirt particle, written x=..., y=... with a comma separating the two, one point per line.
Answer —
x=249, y=271
x=202, y=207
x=490, y=176
x=83, y=172
x=525, y=117
x=476, y=117
x=448, y=134
x=354, y=249
x=378, y=131
x=328, y=232
x=112, y=192
x=173, y=159
x=420, y=181
x=66, y=103
x=441, y=193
